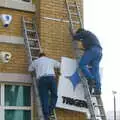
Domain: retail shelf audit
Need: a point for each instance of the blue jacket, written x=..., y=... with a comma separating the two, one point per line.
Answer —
x=87, y=38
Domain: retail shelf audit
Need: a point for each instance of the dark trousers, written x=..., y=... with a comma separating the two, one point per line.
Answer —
x=92, y=58
x=48, y=94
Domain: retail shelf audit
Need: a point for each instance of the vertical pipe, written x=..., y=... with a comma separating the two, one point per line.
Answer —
x=114, y=107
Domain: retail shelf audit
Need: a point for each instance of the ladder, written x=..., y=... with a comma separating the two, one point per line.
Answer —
x=32, y=45
x=75, y=22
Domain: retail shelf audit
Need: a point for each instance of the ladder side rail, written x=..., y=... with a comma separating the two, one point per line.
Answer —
x=87, y=95
x=71, y=25
x=75, y=45
x=86, y=89
x=39, y=108
x=26, y=40
x=38, y=40
x=79, y=14
x=101, y=109
x=70, y=17
x=84, y=80
x=85, y=85
x=99, y=101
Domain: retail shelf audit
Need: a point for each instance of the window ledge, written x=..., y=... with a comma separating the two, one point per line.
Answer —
x=19, y=5
x=2, y=3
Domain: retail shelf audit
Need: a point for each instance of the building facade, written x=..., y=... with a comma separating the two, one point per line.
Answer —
x=16, y=92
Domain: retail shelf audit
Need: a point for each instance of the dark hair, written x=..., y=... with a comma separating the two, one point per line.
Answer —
x=41, y=54
x=80, y=30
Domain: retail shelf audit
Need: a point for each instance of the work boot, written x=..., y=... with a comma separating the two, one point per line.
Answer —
x=90, y=89
x=91, y=82
x=52, y=115
x=91, y=85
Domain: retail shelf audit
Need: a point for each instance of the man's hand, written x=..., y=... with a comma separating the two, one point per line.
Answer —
x=57, y=71
x=73, y=31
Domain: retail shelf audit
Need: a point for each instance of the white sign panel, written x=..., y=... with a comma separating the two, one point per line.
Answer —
x=69, y=97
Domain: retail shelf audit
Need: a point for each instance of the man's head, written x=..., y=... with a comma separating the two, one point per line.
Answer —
x=42, y=54
x=80, y=30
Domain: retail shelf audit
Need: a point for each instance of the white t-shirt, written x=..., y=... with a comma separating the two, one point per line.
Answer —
x=44, y=66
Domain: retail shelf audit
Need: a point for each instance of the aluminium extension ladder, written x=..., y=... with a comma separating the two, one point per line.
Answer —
x=33, y=48
x=75, y=21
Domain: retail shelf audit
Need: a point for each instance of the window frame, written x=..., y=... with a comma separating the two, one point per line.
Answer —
x=30, y=1
x=2, y=104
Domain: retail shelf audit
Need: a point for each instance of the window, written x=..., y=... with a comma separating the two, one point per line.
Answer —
x=15, y=102
x=17, y=115
x=16, y=95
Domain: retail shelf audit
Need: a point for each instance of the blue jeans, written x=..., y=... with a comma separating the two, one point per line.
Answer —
x=48, y=94
x=92, y=58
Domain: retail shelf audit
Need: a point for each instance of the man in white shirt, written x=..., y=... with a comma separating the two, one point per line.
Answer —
x=44, y=69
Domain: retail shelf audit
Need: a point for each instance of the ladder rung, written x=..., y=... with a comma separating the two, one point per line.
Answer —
x=98, y=105
x=95, y=95
x=28, y=30
x=73, y=13
x=35, y=57
x=73, y=5
x=31, y=39
x=100, y=115
x=28, y=22
x=34, y=48
x=77, y=22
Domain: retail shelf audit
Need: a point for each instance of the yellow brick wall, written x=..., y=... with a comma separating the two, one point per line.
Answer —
x=54, y=35
x=18, y=63
x=56, y=39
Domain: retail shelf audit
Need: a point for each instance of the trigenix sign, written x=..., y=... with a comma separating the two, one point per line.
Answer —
x=70, y=97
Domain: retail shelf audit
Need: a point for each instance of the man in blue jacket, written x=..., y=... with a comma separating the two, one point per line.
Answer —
x=91, y=57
